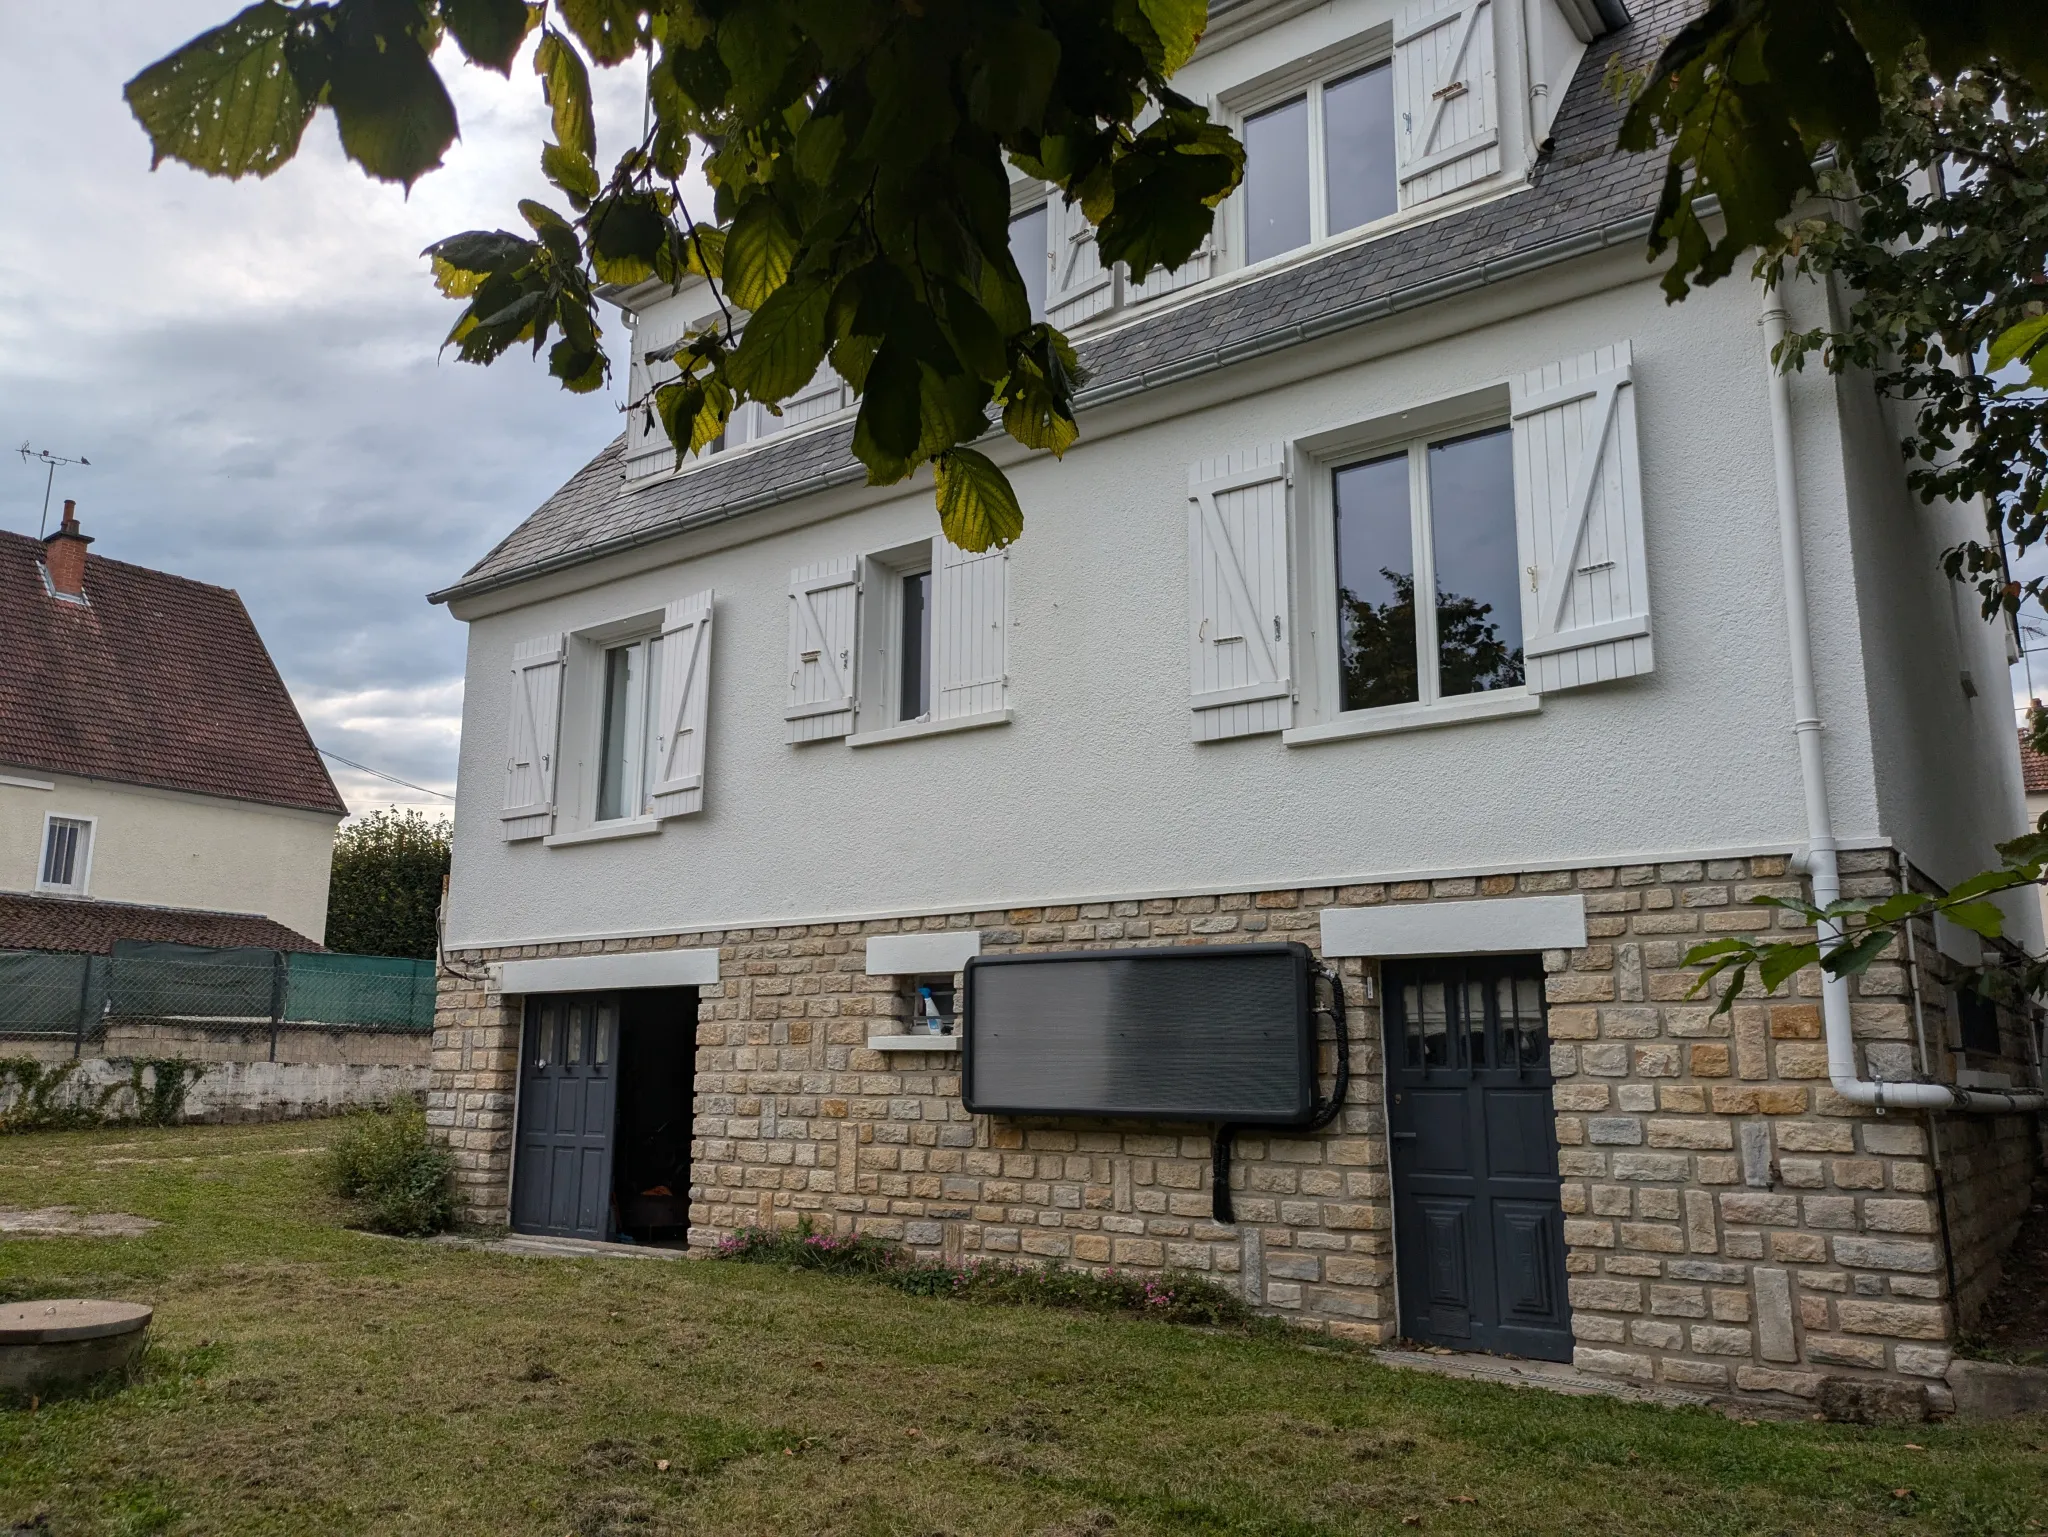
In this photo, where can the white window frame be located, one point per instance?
(878, 675)
(83, 868)
(581, 771)
(1307, 76)
(1318, 660)
(761, 425)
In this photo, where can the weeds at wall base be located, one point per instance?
(1179, 1297)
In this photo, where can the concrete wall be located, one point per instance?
(171, 849)
(1695, 757)
(316, 1072)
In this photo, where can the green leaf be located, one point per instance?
(977, 508)
(1978, 917)
(1776, 962)
(2027, 343)
(228, 102)
(576, 176)
(581, 369)
(759, 247)
(784, 343)
(565, 83)
(489, 32)
(610, 29)
(395, 116)
(1178, 25)
(630, 239)
(1854, 958)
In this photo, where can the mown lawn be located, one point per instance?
(309, 1379)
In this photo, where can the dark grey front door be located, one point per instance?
(1478, 1232)
(568, 1101)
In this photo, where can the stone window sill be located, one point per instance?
(913, 1043)
(604, 832)
(910, 730)
(1414, 717)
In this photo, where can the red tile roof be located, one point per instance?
(153, 680)
(67, 923)
(2033, 767)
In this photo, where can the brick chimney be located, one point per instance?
(64, 556)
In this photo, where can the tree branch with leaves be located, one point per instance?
(858, 156)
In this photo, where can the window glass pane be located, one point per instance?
(1276, 180)
(1358, 147)
(1375, 585)
(914, 697)
(611, 755)
(1027, 250)
(1478, 600)
(60, 853)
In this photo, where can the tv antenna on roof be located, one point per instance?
(44, 456)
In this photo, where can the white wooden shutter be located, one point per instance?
(530, 750)
(970, 631)
(1446, 112)
(1160, 282)
(823, 604)
(677, 786)
(1077, 284)
(1240, 631)
(1579, 521)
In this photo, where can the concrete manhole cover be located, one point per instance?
(69, 1222)
(68, 1339)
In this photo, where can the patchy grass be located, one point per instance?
(309, 1378)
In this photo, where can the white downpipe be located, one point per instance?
(1822, 865)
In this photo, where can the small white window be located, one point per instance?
(897, 669)
(1435, 516)
(626, 740)
(1320, 162)
(67, 855)
(1029, 251)
(933, 1010)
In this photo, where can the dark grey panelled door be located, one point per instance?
(568, 1102)
(1478, 1232)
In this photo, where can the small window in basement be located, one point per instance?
(1978, 1018)
(932, 1010)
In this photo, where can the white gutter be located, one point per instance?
(1821, 863)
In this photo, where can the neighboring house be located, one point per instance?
(2034, 777)
(150, 756)
(754, 763)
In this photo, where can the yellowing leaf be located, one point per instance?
(977, 508)
(759, 247)
(566, 84)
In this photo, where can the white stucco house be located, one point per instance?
(758, 772)
(156, 781)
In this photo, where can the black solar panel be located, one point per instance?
(1190, 1033)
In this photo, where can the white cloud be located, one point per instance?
(254, 370)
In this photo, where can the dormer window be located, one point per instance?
(1320, 162)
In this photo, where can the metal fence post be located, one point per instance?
(277, 982)
(84, 1003)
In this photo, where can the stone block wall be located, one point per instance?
(1732, 1224)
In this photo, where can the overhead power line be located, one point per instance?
(338, 758)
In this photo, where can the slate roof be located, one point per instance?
(1583, 197)
(153, 680)
(67, 923)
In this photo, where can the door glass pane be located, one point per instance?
(611, 756)
(1027, 250)
(1276, 180)
(560, 1034)
(1358, 143)
(601, 1034)
(915, 693)
(1478, 599)
(1473, 1018)
(1375, 585)
(540, 1022)
(1521, 1000)
(1429, 1009)
(574, 1052)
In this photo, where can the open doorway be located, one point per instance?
(657, 1083)
(605, 1090)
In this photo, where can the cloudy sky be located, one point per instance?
(252, 369)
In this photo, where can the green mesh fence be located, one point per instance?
(367, 992)
(46, 992)
(50, 993)
(152, 980)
